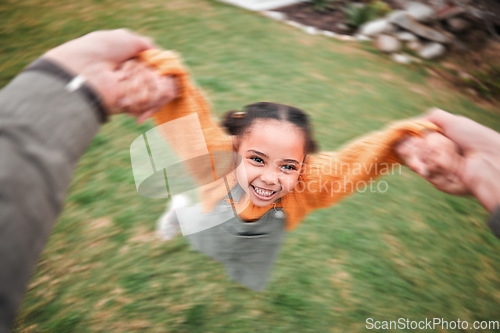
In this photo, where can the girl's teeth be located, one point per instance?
(263, 192)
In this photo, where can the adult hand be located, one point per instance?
(480, 147)
(143, 90)
(100, 56)
(437, 159)
(477, 163)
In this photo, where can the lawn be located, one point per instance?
(408, 252)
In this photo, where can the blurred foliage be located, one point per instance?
(486, 82)
(474, 70)
(323, 5)
(358, 13)
(381, 8)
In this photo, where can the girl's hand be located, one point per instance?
(437, 159)
(142, 91)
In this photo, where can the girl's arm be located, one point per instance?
(328, 177)
(187, 122)
(190, 101)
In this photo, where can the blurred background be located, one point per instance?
(410, 252)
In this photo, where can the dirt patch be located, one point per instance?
(475, 73)
(331, 19)
(341, 281)
(352, 48)
(182, 5)
(143, 237)
(320, 76)
(100, 223)
(419, 90)
(439, 80)
(305, 14)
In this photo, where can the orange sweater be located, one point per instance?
(326, 177)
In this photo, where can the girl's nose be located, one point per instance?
(269, 177)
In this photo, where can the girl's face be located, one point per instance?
(272, 153)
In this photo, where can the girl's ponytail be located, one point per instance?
(234, 122)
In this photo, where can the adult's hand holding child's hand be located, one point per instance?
(105, 60)
(480, 147)
(474, 166)
(435, 158)
(143, 91)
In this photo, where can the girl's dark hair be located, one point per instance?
(238, 122)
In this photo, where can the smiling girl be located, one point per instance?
(276, 179)
(273, 141)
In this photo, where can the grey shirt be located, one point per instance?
(247, 249)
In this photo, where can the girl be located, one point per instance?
(272, 142)
(274, 180)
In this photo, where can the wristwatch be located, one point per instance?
(73, 84)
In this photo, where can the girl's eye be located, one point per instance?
(257, 159)
(288, 167)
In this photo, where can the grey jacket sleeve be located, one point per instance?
(494, 222)
(44, 129)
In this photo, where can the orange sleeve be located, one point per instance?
(331, 176)
(190, 101)
(196, 140)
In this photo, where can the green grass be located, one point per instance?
(411, 252)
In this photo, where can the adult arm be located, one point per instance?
(44, 129)
(48, 115)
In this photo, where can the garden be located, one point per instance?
(407, 252)
(456, 40)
